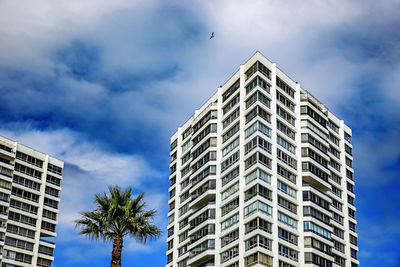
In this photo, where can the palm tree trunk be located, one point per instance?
(117, 251)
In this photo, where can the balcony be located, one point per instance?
(203, 195)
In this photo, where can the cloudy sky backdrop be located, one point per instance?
(103, 84)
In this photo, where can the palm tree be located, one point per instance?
(117, 216)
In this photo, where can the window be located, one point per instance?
(287, 204)
(171, 231)
(353, 253)
(234, 144)
(20, 231)
(231, 90)
(336, 204)
(212, 128)
(29, 159)
(308, 166)
(260, 97)
(285, 144)
(53, 180)
(334, 140)
(25, 194)
(25, 170)
(349, 162)
(208, 185)
(313, 114)
(232, 205)
(336, 179)
(51, 191)
(257, 142)
(231, 104)
(21, 218)
(187, 133)
(308, 152)
(286, 102)
(316, 259)
(258, 258)
(229, 254)
(287, 159)
(258, 241)
(353, 239)
(258, 174)
(228, 134)
(347, 137)
(172, 193)
(350, 187)
(317, 244)
(257, 189)
(231, 118)
(257, 126)
(349, 174)
(337, 218)
(333, 126)
(257, 206)
(23, 206)
(257, 157)
(334, 152)
(311, 227)
(338, 246)
(54, 169)
(286, 174)
(336, 191)
(185, 208)
(288, 252)
(173, 169)
(258, 66)
(258, 111)
(286, 116)
(212, 114)
(230, 161)
(348, 149)
(287, 189)
(206, 215)
(310, 211)
(310, 196)
(313, 128)
(210, 170)
(258, 223)
(286, 130)
(230, 176)
(352, 213)
(171, 218)
(288, 236)
(186, 158)
(210, 156)
(286, 88)
(350, 200)
(230, 191)
(209, 229)
(230, 222)
(306, 138)
(229, 238)
(289, 221)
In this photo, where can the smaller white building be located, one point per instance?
(30, 185)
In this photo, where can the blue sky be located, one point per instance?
(103, 84)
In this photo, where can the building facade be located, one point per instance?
(29, 197)
(261, 175)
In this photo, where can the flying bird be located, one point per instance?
(212, 35)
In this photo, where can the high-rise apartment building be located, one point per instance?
(29, 197)
(261, 175)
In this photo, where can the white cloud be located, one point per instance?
(89, 170)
